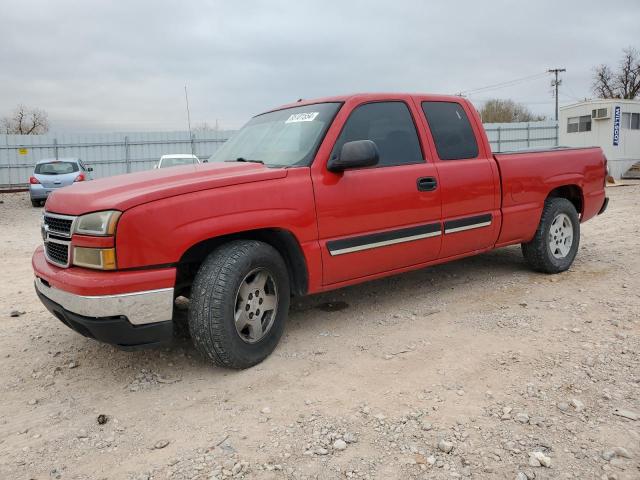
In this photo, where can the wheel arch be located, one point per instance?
(282, 240)
(571, 192)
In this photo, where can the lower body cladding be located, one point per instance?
(129, 321)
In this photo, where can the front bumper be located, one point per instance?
(116, 330)
(125, 308)
(139, 308)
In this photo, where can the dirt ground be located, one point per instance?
(475, 369)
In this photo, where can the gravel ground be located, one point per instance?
(475, 369)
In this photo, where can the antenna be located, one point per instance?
(186, 99)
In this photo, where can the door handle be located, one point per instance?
(427, 184)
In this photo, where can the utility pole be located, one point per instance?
(556, 83)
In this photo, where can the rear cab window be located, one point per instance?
(56, 168)
(390, 126)
(451, 130)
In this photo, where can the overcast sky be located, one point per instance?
(117, 66)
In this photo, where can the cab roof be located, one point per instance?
(370, 97)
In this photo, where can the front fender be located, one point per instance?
(158, 233)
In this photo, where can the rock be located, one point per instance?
(321, 451)
(622, 452)
(445, 446)
(161, 444)
(606, 394)
(615, 452)
(266, 410)
(339, 445)
(521, 476)
(577, 404)
(102, 419)
(627, 414)
(82, 433)
(522, 418)
(563, 406)
(431, 460)
(537, 459)
(72, 364)
(16, 313)
(608, 455)
(349, 438)
(33, 401)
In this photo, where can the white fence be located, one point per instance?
(517, 136)
(113, 154)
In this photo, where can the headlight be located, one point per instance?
(99, 258)
(98, 223)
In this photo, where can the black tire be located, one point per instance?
(213, 303)
(35, 203)
(538, 253)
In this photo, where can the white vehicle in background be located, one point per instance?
(176, 160)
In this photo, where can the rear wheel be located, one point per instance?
(35, 203)
(239, 304)
(555, 244)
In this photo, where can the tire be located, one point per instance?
(35, 203)
(223, 295)
(550, 250)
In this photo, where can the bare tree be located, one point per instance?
(26, 121)
(623, 83)
(498, 110)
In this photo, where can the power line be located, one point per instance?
(509, 83)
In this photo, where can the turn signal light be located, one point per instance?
(80, 178)
(34, 181)
(98, 258)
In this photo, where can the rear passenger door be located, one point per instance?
(468, 176)
(382, 218)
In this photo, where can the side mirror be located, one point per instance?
(356, 154)
(205, 161)
(89, 169)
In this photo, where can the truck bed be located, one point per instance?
(526, 178)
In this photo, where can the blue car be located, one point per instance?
(51, 174)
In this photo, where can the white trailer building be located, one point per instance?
(613, 124)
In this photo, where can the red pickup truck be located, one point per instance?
(309, 197)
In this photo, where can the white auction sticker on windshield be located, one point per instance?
(302, 117)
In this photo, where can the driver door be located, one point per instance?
(382, 218)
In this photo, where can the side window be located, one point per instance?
(390, 126)
(451, 130)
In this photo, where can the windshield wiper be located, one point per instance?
(242, 159)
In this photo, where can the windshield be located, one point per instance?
(283, 138)
(174, 162)
(56, 168)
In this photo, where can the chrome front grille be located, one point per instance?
(56, 233)
(57, 253)
(60, 224)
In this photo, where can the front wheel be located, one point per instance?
(239, 304)
(555, 244)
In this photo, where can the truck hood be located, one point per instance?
(122, 192)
